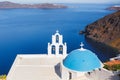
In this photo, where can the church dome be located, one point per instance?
(82, 60)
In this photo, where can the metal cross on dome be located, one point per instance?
(81, 45)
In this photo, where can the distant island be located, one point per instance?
(116, 7)
(10, 5)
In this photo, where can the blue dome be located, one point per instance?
(81, 60)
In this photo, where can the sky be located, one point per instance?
(65, 1)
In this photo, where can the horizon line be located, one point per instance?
(62, 2)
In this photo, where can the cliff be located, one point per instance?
(106, 30)
(116, 7)
(8, 5)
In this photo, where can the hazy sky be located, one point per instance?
(63, 1)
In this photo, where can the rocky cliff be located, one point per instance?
(8, 5)
(116, 7)
(106, 30)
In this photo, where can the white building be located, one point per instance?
(116, 58)
(57, 47)
(80, 64)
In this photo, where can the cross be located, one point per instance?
(81, 45)
(57, 31)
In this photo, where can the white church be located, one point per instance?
(57, 64)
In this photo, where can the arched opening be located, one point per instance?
(53, 49)
(60, 49)
(57, 39)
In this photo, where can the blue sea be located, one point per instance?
(28, 31)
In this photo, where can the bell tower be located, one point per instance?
(57, 47)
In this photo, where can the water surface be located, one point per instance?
(27, 31)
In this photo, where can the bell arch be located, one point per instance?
(53, 49)
(57, 38)
(61, 49)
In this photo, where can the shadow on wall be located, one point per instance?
(115, 77)
(57, 70)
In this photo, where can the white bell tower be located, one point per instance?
(57, 47)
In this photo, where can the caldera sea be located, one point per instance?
(27, 31)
